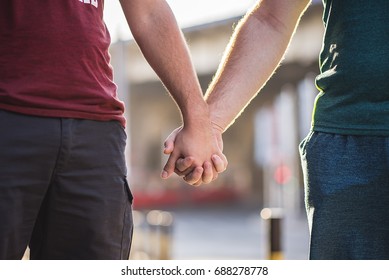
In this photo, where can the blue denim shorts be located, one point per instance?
(347, 195)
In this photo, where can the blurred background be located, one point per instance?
(221, 220)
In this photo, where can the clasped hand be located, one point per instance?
(195, 153)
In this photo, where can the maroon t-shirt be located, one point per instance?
(54, 60)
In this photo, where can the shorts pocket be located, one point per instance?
(304, 143)
(128, 225)
(128, 190)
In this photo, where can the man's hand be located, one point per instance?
(199, 161)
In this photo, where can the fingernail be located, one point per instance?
(164, 175)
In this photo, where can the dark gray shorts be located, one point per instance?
(63, 189)
(347, 195)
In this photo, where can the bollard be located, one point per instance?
(274, 218)
(161, 225)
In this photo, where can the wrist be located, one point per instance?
(218, 121)
(219, 115)
(217, 127)
(197, 114)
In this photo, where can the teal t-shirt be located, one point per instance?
(354, 69)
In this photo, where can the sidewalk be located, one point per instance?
(227, 234)
(234, 234)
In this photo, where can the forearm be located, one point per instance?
(161, 41)
(255, 51)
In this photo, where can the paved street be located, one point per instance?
(234, 233)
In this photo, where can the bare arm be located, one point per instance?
(251, 57)
(253, 54)
(158, 36)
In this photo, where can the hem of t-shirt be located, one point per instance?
(357, 131)
(54, 113)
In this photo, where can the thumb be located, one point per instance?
(169, 146)
(169, 142)
(169, 167)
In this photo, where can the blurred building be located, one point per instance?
(262, 146)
